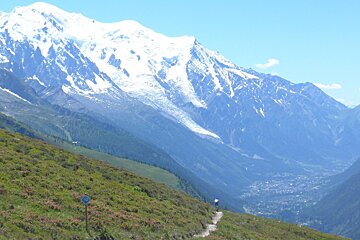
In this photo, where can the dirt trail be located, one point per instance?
(211, 227)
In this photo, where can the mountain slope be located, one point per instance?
(338, 212)
(41, 189)
(71, 126)
(243, 226)
(144, 170)
(340, 178)
(12, 125)
(52, 120)
(229, 126)
(350, 130)
(349, 135)
(100, 135)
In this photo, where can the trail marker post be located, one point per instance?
(86, 200)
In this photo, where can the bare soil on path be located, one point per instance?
(211, 227)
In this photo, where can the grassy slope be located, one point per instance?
(151, 172)
(41, 187)
(243, 226)
(141, 169)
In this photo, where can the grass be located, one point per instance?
(244, 226)
(145, 170)
(154, 173)
(41, 189)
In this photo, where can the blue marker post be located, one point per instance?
(86, 200)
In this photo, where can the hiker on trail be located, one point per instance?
(216, 202)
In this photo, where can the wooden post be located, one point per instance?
(86, 200)
(86, 218)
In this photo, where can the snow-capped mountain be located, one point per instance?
(225, 123)
(127, 53)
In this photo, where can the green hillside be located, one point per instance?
(40, 198)
(60, 126)
(41, 187)
(154, 173)
(243, 226)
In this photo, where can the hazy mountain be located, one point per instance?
(11, 124)
(339, 211)
(350, 130)
(349, 136)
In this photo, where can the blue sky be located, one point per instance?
(302, 41)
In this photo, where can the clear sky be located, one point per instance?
(301, 40)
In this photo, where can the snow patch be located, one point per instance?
(284, 89)
(14, 94)
(242, 74)
(35, 78)
(100, 86)
(154, 97)
(260, 111)
(257, 157)
(66, 89)
(3, 59)
(279, 101)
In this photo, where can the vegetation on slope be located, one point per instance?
(243, 226)
(41, 189)
(40, 198)
(12, 125)
(154, 173)
(99, 134)
(52, 123)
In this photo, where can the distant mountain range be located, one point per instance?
(124, 89)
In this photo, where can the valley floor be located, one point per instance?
(284, 196)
